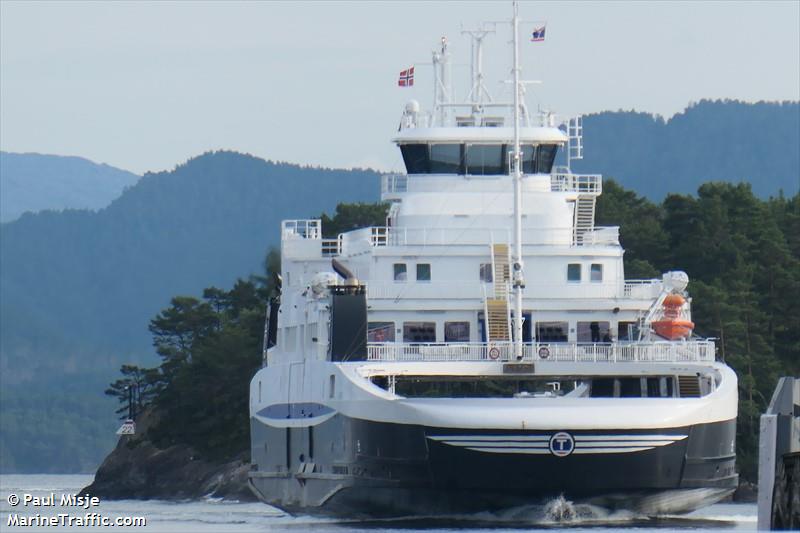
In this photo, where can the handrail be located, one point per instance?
(615, 352)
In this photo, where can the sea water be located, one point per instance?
(211, 514)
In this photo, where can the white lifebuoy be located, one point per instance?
(544, 352)
(494, 352)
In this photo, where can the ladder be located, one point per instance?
(498, 322)
(584, 216)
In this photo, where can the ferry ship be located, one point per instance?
(483, 349)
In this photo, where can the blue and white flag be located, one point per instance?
(538, 34)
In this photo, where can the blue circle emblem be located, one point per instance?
(562, 444)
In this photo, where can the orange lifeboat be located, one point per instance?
(672, 326)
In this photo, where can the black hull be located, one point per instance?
(355, 467)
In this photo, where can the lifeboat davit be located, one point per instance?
(672, 326)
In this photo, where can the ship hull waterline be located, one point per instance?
(353, 467)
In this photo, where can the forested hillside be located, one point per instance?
(742, 255)
(710, 141)
(35, 182)
(77, 288)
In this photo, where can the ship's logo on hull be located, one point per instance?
(562, 444)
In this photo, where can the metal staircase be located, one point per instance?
(584, 216)
(498, 323)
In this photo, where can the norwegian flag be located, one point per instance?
(537, 35)
(406, 78)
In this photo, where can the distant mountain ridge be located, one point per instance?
(37, 182)
(710, 141)
(78, 288)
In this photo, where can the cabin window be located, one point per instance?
(415, 157)
(423, 272)
(259, 391)
(485, 273)
(456, 332)
(484, 159)
(419, 332)
(627, 331)
(552, 331)
(400, 272)
(594, 332)
(332, 386)
(574, 272)
(380, 332)
(446, 159)
(596, 273)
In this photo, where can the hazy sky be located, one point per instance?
(146, 85)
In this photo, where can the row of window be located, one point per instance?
(475, 159)
(574, 272)
(459, 331)
(423, 272)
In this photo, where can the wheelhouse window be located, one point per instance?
(423, 272)
(419, 332)
(416, 158)
(528, 159)
(446, 159)
(552, 331)
(380, 332)
(574, 272)
(456, 332)
(400, 272)
(595, 331)
(484, 159)
(545, 155)
(596, 273)
(485, 273)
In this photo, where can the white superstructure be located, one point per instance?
(421, 344)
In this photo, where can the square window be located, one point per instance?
(574, 272)
(596, 272)
(456, 332)
(486, 273)
(551, 331)
(417, 332)
(594, 332)
(380, 332)
(423, 272)
(400, 273)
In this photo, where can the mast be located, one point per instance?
(518, 278)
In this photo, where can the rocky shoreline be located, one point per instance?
(137, 469)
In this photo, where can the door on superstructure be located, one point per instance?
(295, 441)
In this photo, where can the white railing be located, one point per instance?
(302, 229)
(580, 183)
(389, 236)
(633, 352)
(642, 289)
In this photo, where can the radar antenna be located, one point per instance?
(478, 91)
(441, 82)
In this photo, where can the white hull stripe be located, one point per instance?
(540, 444)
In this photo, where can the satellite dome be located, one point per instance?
(412, 107)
